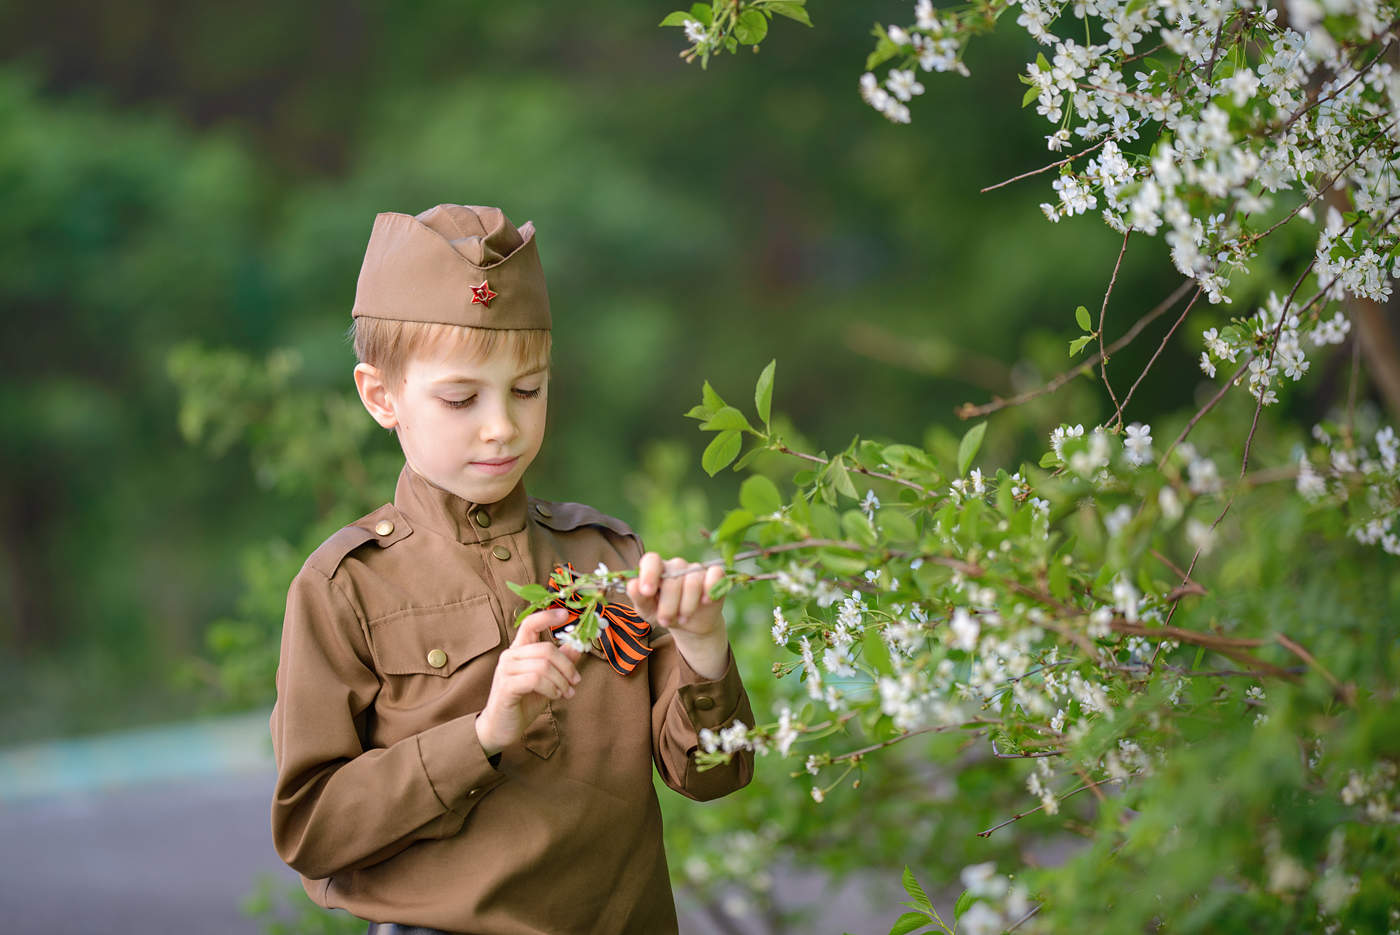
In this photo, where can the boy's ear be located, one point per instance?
(375, 394)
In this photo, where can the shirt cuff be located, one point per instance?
(710, 703)
(456, 766)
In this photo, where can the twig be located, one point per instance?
(1103, 310)
(1032, 811)
(969, 411)
(1118, 415)
(1053, 165)
(1022, 756)
(1346, 692)
(817, 459)
(1225, 388)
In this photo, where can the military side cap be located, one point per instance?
(456, 265)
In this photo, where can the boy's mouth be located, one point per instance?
(496, 465)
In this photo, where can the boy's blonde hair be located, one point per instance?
(388, 345)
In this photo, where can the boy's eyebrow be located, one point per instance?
(463, 378)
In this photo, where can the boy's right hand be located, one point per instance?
(532, 671)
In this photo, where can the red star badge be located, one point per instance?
(482, 294)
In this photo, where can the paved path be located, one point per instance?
(166, 831)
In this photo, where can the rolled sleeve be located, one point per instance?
(457, 767)
(684, 703)
(711, 703)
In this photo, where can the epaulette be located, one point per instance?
(384, 526)
(563, 517)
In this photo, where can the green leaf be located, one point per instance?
(711, 399)
(1029, 97)
(1040, 61)
(734, 524)
(721, 451)
(530, 593)
(1078, 343)
(1081, 315)
(751, 27)
(841, 478)
(964, 903)
(763, 392)
(722, 587)
(1059, 579)
(760, 496)
(877, 654)
(967, 448)
(677, 18)
(699, 412)
(749, 455)
(842, 562)
(915, 891)
(1049, 460)
(857, 528)
(731, 44)
(897, 526)
(727, 418)
(792, 9)
(825, 523)
(909, 922)
(884, 51)
(703, 13)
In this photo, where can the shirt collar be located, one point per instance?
(428, 505)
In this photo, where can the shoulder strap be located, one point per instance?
(564, 517)
(384, 526)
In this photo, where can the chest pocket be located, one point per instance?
(435, 641)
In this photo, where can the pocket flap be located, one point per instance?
(434, 640)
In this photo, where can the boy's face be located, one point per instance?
(470, 426)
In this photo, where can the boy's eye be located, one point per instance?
(528, 394)
(458, 403)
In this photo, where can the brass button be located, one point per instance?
(704, 702)
(482, 518)
(543, 510)
(501, 552)
(384, 527)
(437, 658)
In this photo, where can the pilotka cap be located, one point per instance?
(456, 265)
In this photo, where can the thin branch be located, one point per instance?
(1225, 388)
(1053, 165)
(1022, 756)
(1103, 310)
(969, 411)
(1118, 415)
(859, 469)
(1346, 692)
(1059, 798)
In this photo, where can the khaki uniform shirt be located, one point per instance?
(385, 802)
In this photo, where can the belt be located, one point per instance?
(390, 928)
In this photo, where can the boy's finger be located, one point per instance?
(668, 603)
(649, 573)
(713, 575)
(692, 589)
(534, 627)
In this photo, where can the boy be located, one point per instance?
(438, 768)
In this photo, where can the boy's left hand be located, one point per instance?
(676, 595)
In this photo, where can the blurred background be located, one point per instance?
(188, 189)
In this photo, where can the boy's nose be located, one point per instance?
(499, 426)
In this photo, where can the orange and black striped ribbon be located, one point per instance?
(624, 639)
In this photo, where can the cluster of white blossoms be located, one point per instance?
(997, 902)
(1212, 123)
(1365, 479)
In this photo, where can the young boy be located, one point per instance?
(439, 769)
